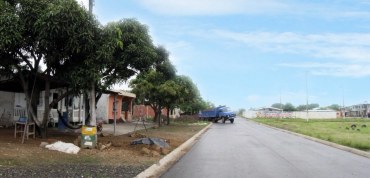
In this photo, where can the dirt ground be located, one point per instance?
(14, 154)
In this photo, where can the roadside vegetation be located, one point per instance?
(354, 133)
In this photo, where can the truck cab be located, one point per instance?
(219, 113)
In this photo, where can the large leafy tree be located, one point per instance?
(180, 91)
(334, 107)
(289, 107)
(278, 105)
(127, 50)
(60, 41)
(42, 38)
(156, 84)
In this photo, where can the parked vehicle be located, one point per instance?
(218, 113)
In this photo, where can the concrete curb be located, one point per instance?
(335, 145)
(169, 160)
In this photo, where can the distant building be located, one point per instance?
(358, 110)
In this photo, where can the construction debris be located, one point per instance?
(104, 146)
(69, 148)
(151, 141)
(137, 135)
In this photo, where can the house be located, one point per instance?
(13, 101)
(13, 105)
(115, 104)
(148, 112)
(358, 110)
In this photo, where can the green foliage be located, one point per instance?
(289, 107)
(241, 111)
(157, 86)
(278, 105)
(334, 107)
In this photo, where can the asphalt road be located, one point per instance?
(246, 149)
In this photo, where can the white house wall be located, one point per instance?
(18, 103)
(6, 107)
(102, 108)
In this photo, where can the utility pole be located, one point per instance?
(92, 92)
(344, 109)
(281, 107)
(306, 99)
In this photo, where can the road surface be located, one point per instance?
(246, 149)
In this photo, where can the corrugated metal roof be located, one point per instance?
(123, 93)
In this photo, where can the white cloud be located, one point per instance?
(84, 3)
(261, 7)
(348, 53)
(333, 69)
(213, 7)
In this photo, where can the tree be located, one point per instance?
(155, 85)
(301, 108)
(289, 107)
(74, 49)
(309, 107)
(127, 50)
(241, 112)
(53, 32)
(186, 93)
(334, 107)
(278, 105)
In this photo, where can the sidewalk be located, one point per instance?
(124, 128)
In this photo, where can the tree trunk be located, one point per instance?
(46, 110)
(30, 110)
(159, 116)
(87, 108)
(168, 116)
(154, 107)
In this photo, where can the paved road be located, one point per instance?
(246, 149)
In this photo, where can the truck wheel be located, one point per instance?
(232, 120)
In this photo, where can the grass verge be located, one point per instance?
(354, 133)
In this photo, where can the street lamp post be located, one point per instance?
(306, 98)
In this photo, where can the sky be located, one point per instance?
(251, 54)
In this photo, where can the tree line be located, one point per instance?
(61, 44)
(291, 107)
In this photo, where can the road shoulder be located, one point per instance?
(169, 160)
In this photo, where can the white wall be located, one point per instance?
(298, 114)
(102, 108)
(316, 114)
(176, 113)
(13, 102)
(6, 107)
(250, 114)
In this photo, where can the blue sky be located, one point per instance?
(247, 53)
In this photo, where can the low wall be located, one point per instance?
(297, 114)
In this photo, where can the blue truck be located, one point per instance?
(216, 114)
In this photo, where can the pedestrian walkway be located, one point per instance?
(124, 128)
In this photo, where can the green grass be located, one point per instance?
(334, 130)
